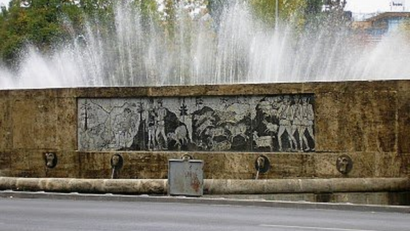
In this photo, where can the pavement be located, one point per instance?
(203, 200)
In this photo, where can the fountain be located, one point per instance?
(146, 96)
(237, 49)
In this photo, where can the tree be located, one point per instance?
(42, 23)
(149, 9)
(334, 5)
(287, 10)
(27, 22)
(313, 7)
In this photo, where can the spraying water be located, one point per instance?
(237, 49)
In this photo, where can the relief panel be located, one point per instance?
(274, 123)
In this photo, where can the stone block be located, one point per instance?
(286, 166)
(405, 164)
(94, 165)
(387, 164)
(5, 164)
(24, 94)
(363, 165)
(67, 165)
(66, 124)
(20, 163)
(361, 198)
(34, 123)
(367, 121)
(325, 165)
(328, 129)
(403, 121)
(5, 123)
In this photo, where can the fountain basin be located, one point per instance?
(365, 121)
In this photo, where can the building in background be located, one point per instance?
(374, 26)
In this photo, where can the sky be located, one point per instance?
(4, 2)
(356, 6)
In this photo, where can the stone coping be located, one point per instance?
(211, 186)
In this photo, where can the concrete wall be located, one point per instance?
(367, 121)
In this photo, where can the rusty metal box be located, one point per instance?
(185, 177)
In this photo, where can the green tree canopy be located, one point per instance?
(287, 9)
(42, 23)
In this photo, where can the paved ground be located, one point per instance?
(206, 200)
(54, 211)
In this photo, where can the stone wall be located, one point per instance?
(365, 121)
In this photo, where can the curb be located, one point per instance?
(210, 186)
(203, 200)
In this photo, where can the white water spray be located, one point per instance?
(238, 50)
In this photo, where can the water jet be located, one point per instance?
(237, 48)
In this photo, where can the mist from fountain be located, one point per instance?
(238, 49)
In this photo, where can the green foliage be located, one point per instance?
(313, 7)
(149, 8)
(170, 13)
(302, 14)
(288, 10)
(42, 23)
(265, 9)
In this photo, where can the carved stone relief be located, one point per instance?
(277, 123)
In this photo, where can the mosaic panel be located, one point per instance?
(275, 123)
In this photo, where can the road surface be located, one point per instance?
(21, 214)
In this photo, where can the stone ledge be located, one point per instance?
(218, 186)
(122, 186)
(211, 186)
